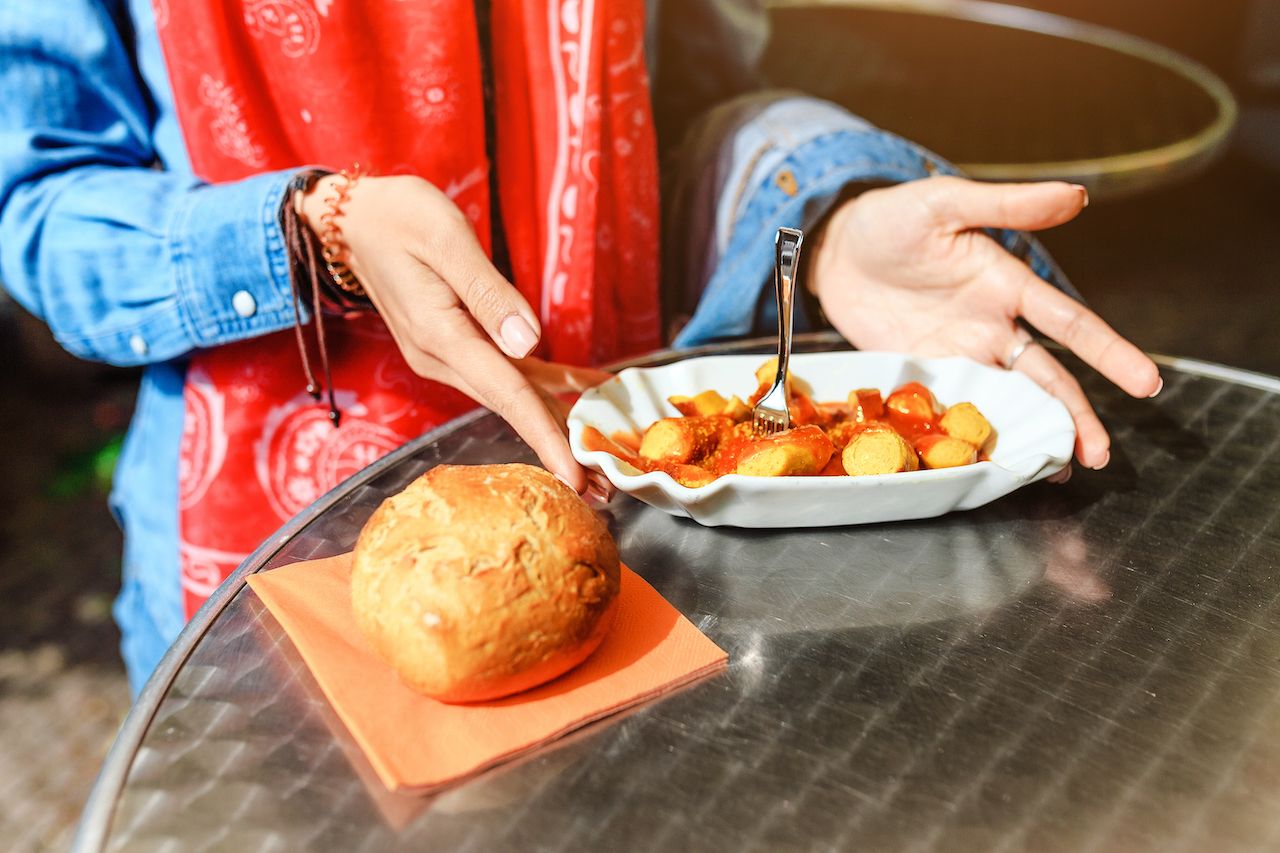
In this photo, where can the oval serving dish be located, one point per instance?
(1034, 438)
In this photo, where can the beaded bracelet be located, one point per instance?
(333, 250)
(307, 252)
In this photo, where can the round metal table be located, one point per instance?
(1093, 666)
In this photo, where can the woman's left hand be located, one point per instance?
(906, 268)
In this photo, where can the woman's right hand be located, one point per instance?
(454, 317)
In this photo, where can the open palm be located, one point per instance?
(907, 269)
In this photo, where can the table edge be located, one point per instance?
(99, 810)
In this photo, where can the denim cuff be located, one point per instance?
(795, 188)
(806, 179)
(230, 260)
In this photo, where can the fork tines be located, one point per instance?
(768, 423)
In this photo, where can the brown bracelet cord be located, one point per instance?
(306, 279)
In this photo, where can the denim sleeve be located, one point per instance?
(126, 263)
(773, 160)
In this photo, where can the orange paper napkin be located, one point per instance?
(418, 743)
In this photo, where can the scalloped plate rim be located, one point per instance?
(1009, 472)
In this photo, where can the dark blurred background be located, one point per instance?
(1186, 266)
(1193, 268)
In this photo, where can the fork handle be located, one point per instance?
(787, 244)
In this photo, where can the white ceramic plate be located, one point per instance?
(1034, 438)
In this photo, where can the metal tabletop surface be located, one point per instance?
(1093, 666)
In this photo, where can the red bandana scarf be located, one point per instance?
(395, 85)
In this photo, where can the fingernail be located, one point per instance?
(601, 484)
(567, 483)
(1159, 388)
(1061, 476)
(1106, 458)
(517, 336)
(597, 494)
(1084, 193)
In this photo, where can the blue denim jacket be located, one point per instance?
(788, 161)
(107, 236)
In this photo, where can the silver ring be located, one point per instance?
(1017, 351)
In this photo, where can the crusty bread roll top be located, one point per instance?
(480, 581)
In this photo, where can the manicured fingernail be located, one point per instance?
(567, 483)
(1084, 195)
(1103, 464)
(517, 336)
(1159, 387)
(601, 483)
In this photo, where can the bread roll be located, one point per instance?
(476, 582)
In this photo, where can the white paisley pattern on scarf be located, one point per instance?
(204, 438)
(292, 21)
(228, 128)
(300, 456)
(204, 568)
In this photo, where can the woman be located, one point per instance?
(157, 208)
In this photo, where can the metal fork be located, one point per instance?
(772, 415)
